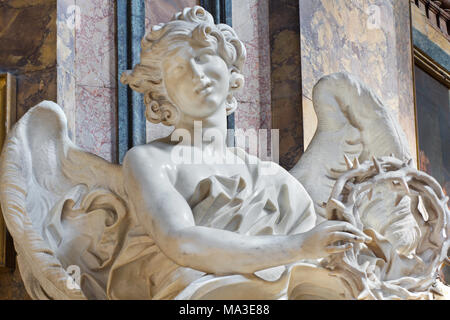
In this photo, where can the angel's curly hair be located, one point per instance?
(192, 23)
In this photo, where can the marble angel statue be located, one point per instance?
(353, 219)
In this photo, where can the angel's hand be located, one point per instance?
(321, 241)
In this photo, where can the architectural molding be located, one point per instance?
(437, 13)
(429, 48)
(431, 67)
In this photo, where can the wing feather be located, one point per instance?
(38, 166)
(352, 122)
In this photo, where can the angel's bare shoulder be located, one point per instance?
(151, 154)
(148, 163)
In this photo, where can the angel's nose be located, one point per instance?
(197, 70)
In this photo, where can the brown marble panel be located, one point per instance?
(284, 31)
(34, 87)
(28, 49)
(11, 286)
(27, 35)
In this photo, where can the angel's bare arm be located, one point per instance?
(166, 215)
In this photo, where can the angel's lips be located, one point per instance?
(204, 89)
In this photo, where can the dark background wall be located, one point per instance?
(28, 49)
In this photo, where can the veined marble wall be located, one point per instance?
(87, 73)
(251, 23)
(368, 38)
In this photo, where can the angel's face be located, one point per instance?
(197, 80)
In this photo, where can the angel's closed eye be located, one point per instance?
(178, 69)
(204, 56)
(201, 59)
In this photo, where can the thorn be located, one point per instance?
(405, 185)
(337, 204)
(355, 163)
(370, 194)
(348, 162)
(377, 165)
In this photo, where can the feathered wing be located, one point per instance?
(50, 190)
(352, 124)
(358, 169)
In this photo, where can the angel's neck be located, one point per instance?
(203, 132)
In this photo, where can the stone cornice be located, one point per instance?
(437, 15)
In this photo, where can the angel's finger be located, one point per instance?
(347, 227)
(337, 249)
(345, 236)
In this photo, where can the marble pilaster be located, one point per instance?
(87, 73)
